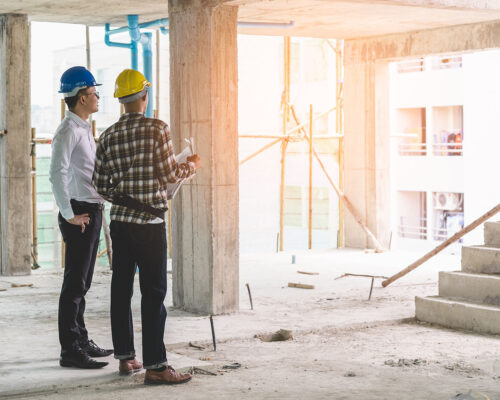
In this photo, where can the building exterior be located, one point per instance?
(443, 112)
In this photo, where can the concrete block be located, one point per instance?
(492, 234)
(458, 314)
(481, 259)
(479, 288)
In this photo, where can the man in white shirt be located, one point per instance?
(80, 215)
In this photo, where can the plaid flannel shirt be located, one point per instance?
(135, 157)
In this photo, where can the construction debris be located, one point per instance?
(234, 365)
(308, 273)
(300, 285)
(470, 395)
(21, 285)
(196, 346)
(201, 371)
(279, 336)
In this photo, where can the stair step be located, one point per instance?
(492, 234)
(481, 259)
(481, 288)
(458, 314)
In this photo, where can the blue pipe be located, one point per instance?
(147, 57)
(107, 33)
(134, 56)
(145, 39)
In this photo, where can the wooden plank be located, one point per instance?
(443, 245)
(300, 285)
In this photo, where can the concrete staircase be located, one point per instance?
(469, 299)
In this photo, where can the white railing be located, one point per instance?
(438, 149)
(412, 149)
(447, 149)
(447, 62)
(411, 66)
(412, 232)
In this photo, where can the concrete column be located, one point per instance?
(367, 149)
(203, 104)
(15, 181)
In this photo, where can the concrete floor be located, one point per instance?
(344, 346)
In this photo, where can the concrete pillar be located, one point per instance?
(367, 149)
(203, 104)
(15, 181)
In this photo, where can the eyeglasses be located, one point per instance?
(88, 94)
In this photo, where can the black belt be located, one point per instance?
(84, 204)
(130, 202)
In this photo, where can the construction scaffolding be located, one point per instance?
(299, 133)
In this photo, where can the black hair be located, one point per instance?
(71, 101)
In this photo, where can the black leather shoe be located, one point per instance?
(80, 359)
(94, 350)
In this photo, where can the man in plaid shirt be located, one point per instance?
(134, 162)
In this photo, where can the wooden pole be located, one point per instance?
(285, 103)
(310, 173)
(340, 130)
(301, 126)
(349, 206)
(87, 52)
(443, 245)
(105, 226)
(87, 46)
(107, 238)
(261, 150)
(284, 144)
(33, 196)
(347, 203)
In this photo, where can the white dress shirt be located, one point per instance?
(72, 164)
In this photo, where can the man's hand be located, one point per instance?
(82, 220)
(195, 158)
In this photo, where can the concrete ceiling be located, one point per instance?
(316, 18)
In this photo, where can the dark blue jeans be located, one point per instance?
(81, 251)
(143, 246)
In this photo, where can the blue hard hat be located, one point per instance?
(75, 79)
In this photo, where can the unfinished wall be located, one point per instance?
(203, 104)
(367, 150)
(15, 167)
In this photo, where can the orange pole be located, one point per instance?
(285, 103)
(340, 130)
(310, 173)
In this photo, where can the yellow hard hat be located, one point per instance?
(130, 82)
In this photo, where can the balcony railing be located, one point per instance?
(438, 149)
(447, 149)
(412, 149)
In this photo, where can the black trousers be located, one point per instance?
(143, 246)
(81, 251)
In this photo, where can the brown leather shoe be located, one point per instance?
(128, 367)
(166, 377)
